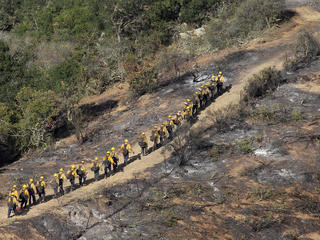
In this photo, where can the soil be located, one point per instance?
(269, 191)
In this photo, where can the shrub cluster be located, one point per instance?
(258, 85)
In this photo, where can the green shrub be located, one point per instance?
(258, 85)
(305, 49)
(144, 81)
(36, 108)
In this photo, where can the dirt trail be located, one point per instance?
(306, 16)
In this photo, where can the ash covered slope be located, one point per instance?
(240, 195)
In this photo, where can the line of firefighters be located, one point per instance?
(159, 136)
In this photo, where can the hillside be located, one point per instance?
(252, 170)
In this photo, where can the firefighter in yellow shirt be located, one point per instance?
(155, 137)
(32, 192)
(41, 189)
(24, 196)
(143, 143)
(126, 149)
(12, 204)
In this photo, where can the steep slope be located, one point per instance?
(239, 66)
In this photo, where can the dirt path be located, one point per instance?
(139, 167)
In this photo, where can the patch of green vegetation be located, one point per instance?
(245, 146)
(239, 20)
(296, 116)
(264, 193)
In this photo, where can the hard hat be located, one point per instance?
(108, 152)
(169, 116)
(41, 177)
(142, 133)
(188, 100)
(113, 148)
(12, 194)
(14, 186)
(31, 180)
(24, 186)
(55, 175)
(82, 161)
(206, 84)
(220, 73)
(126, 141)
(185, 103)
(61, 170)
(202, 86)
(96, 158)
(155, 127)
(179, 111)
(73, 167)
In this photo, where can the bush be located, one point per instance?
(305, 49)
(144, 81)
(258, 85)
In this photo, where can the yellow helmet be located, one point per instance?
(179, 111)
(96, 158)
(113, 149)
(188, 100)
(126, 141)
(220, 73)
(202, 86)
(12, 194)
(41, 177)
(169, 116)
(61, 170)
(108, 152)
(82, 161)
(14, 186)
(155, 127)
(73, 167)
(206, 84)
(31, 180)
(55, 175)
(142, 133)
(24, 186)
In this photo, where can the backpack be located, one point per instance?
(95, 168)
(30, 189)
(125, 150)
(69, 175)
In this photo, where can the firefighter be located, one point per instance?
(220, 83)
(115, 158)
(143, 143)
(163, 133)
(95, 168)
(14, 191)
(71, 175)
(55, 184)
(62, 177)
(196, 103)
(82, 173)
(12, 204)
(155, 137)
(41, 189)
(107, 162)
(32, 192)
(170, 125)
(24, 196)
(176, 120)
(126, 149)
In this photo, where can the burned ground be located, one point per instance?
(252, 176)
